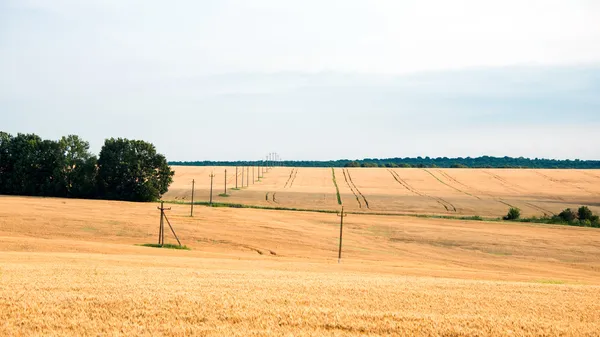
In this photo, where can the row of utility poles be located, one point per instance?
(272, 159)
(243, 172)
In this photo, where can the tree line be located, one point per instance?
(443, 162)
(129, 170)
(583, 217)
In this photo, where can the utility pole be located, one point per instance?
(242, 176)
(192, 205)
(236, 177)
(342, 216)
(225, 181)
(161, 229)
(212, 175)
(253, 180)
(247, 176)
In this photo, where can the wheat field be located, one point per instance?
(484, 192)
(75, 267)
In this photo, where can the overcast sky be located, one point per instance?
(229, 80)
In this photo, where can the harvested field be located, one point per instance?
(484, 192)
(73, 267)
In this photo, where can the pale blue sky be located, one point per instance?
(227, 80)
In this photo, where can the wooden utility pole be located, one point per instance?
(342, 216)
(192, 205)
(212, 175)
(247, 176)
(253, 180)
(225, 181)
(236, 177)
(161, 228)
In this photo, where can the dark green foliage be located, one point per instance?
(567, 215)
(584, 213)
(479, 162)
(78, 168)
(513, 214)
(132, 170)
(337, 190)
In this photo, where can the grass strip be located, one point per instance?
(337, 190)
(413, 215)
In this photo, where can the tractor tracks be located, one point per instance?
(498, 199)
(451, 179)
(556, 181)
(516, 189)
(590, 174)
(289, 178)
(509, 186)
(294, 179)
(354, 188)
(272, 197)
(446, 204)
(288, 184)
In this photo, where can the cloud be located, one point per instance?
(317, 79)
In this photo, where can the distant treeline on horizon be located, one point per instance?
(468, 162)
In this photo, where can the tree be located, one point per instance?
(584, 213)
(24, 153)
(567, 215)
(78, 167)
(352, 164)
(6, 162)
(48, 175)
(132, 170)
(513, 214)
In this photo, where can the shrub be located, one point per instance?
(584, 213)
(567, 215)
(513, 214)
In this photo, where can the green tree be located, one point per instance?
(6, 163)
(78, 167)
(567, 215)
(48, 175)
(513, 214)
(584, 213)
(24, 152)
(352, 164)
(132, 170)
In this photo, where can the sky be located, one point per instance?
(311, 80)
